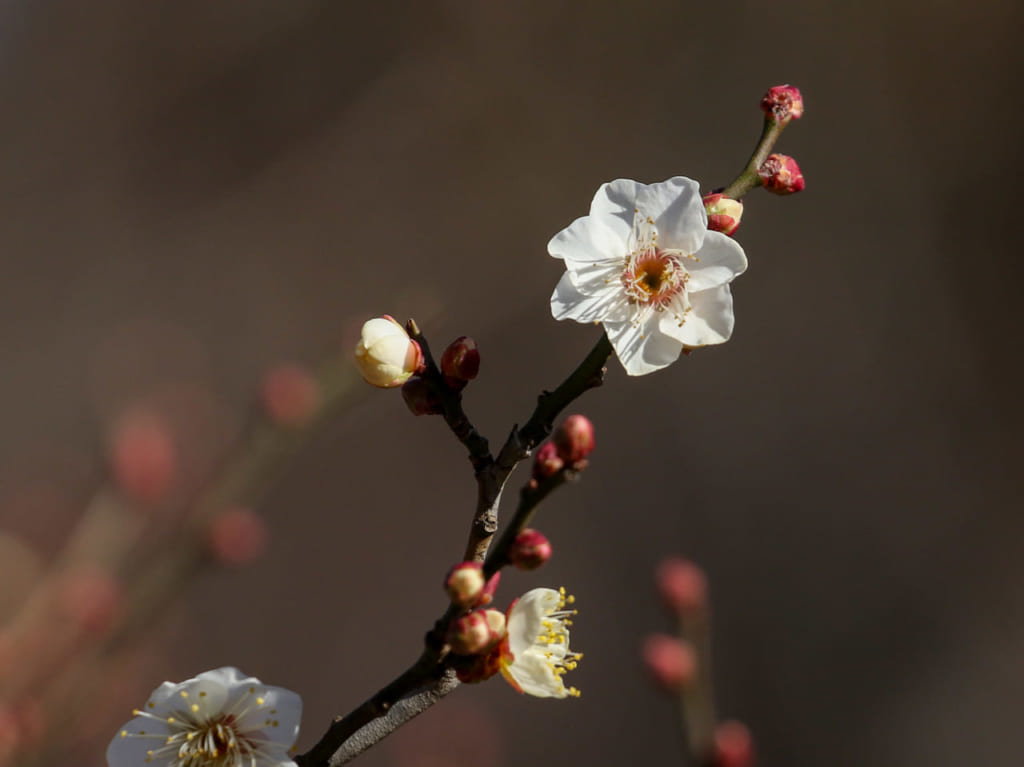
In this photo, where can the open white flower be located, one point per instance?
(644, 264)
(536, 653)
(219, 719)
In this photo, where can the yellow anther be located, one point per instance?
(124, 733)
(195, 707)
(259, 701)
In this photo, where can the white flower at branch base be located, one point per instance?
(221, 718)
(385, 355)
(536, 654)
(644, 265)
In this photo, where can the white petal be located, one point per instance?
(525, 616)
(536, 676)
(710, 322)
(282, 708)
(129, 751)
(588, 239)
(643, 349)
(614, 205)
(568, 303)
(678, 213)
(719, 261)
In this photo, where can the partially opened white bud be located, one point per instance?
(385, 355)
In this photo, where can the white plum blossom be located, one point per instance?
(221, 718)
(645, 265)
(536, 653)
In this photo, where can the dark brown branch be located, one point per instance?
(428, 680)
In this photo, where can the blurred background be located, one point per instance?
(194, 192)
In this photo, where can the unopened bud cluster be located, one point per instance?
(476, 632)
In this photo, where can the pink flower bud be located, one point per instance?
(465, 583)
(529, 550)
(734, 747)
(385, 355)
(461, 360)
(476, 632)
(574, 439)
(783, 103)
(291, 395)
(420, 397)
(671, 662)
(92, 599)
(781, 175)
(682, 585)
(237, 537)
(724, 213)
(143, 456)
(487, 595)
(546, 461)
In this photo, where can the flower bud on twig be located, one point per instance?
(461, 360)
(671, 662)
(237, 537)
(465, 583)
(143, 456)
(290, 395)
(546, 461)
(682, 585)
(781, 175)
(783, 103)
(734, 747)
(385, 355)
(724, 213)
(476, 632)
(574, 439)
(529, 550)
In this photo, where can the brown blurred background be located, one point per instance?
(193, 191)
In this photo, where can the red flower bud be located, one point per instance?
(682, 585)
(724, 213)
(734, 747)
(781, 175)
(237, 536)
(420, 397)
(671, 662)
(461, 360)
(290, 395)
(546, 462)
(783, 103)
(465, 583)
(476, 632)
(574, 439)
(529, 550)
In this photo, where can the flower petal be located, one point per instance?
(678, 213)
(643, 349)
(536, 676)
(525, 616)
(569, 303)
(719, 261)
(131, 750)
(614, 204)
(282, 709)
(710, 322)
(588, 239)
